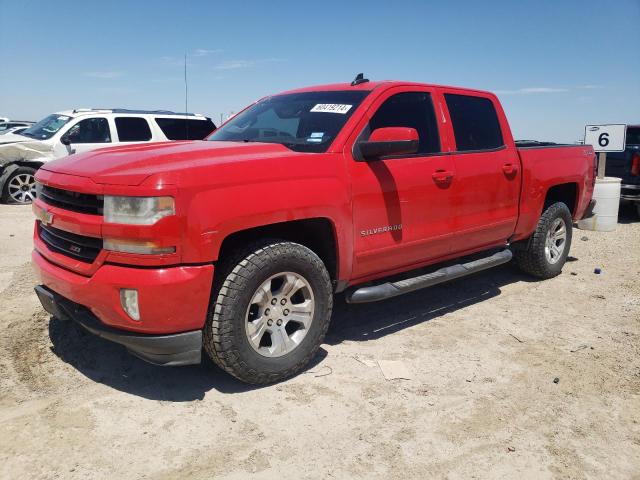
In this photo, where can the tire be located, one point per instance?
(20, 187)
(241, 308)
(538, 257)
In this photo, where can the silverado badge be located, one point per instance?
(386, 228)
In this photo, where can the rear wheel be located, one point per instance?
(548, 247)
(20, 187)
(269, 313)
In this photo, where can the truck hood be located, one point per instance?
(133, 164)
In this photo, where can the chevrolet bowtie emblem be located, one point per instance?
(43, 215)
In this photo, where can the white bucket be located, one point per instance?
(607, 201)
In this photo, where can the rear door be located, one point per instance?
(487, 189)
(402, 209)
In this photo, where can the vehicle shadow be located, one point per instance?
(110, 364)
(370, 321)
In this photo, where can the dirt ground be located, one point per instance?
(483, 353)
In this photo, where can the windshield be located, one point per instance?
(633, 136)
(46, 128)
(304, 122)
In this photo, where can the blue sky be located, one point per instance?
(556, 65)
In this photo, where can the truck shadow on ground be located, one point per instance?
(370, 321)
(110, 364)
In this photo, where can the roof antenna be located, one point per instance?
(359, 79)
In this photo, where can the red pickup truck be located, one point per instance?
(237, 244)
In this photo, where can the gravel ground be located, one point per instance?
(483, 353)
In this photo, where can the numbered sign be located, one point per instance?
(606, 138)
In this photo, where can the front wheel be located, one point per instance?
(547, 249)
(269, 313)
(20, 187)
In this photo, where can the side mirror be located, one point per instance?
(65, 140)
(389, 141)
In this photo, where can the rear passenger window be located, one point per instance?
(475, 122)
(185, 129)
(413, 110)
(133, 129)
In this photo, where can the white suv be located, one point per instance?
(81, 130)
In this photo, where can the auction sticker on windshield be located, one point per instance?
(331, 108)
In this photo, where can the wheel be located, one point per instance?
(269, 312)
(20, 187)
(548, 247)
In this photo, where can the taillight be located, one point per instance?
(635, 165)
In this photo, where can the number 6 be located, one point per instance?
(603, 139)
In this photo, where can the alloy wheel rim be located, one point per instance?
(279, 315)
(22, 188)
(556, 241)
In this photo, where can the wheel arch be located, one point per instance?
(318, 234)
(566, 193)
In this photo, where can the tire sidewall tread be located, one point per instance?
(224, 335)
(5, 196)
(532, 259)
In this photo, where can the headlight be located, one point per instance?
(137, 210)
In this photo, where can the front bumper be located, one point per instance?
(171, 299)
(169, 350)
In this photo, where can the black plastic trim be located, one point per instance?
(69, 200)
(167, 350)
(79, 247)
(393, 289)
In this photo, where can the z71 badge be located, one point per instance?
(386, 228)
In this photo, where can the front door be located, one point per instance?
(87, 135)
(402, 208)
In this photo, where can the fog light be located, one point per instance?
(129, 302)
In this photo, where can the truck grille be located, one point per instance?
(74, 201)
(82, 248)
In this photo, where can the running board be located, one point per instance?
(393, 289)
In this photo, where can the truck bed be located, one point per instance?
(543, 163)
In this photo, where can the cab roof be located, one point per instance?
(370, 85)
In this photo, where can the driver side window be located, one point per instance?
(90, 130)
(410, 109)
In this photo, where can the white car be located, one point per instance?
(82, 130)
(15, 130)
(8, 127)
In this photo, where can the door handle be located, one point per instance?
(509, 169)
(442, 176)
